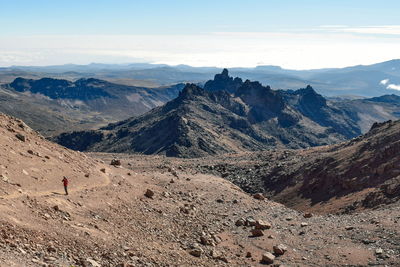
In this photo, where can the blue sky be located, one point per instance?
(215, 33)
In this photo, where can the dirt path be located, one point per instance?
(102, 183)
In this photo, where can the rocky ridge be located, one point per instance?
(201, 122)
(343, 178)
(82, 104)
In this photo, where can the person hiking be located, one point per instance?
(65, 181)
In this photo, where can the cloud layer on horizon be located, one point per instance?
(327, 46)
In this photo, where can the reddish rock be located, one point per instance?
(267, 258)
(280, 249)
(259, 196)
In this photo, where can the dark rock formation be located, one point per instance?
(223, 82)
(201, 122)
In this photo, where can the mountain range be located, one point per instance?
(228, 115)
(362, 80)
(81, 104)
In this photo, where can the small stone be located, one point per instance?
(22, 250)
(93, 263)
(21, 137)
(49, 259)
(379, 251)
(349, 228)
(260, 224)
(115, 162)
(279, 249)
(172, 181)
(267, 258)
(304, 224)
(240, 222)
(87, 175)
(4, 178)
(259, 196)
(205, 241)
(51, 249)
(149, 193)
(103, 170)
(257, 232)
(307, 215)
(30, 152)
(196, 252)
(250, 221)
(217, 255)
(248, 254)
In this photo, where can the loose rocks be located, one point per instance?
(267, 258)
(259, 196)
(115, 162)
(262, 225)
(149, 193)
(257, 232)
(280, 249)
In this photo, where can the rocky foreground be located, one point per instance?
(158, 211)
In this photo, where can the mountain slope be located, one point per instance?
(364, 169)
(83, 104)
(192, 219)
(354, 175)
(201, 122)
(365, 112)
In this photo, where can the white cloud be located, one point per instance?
(393, 86)
(390, 86)
(385, 29)
(384, 82)
(296, 50)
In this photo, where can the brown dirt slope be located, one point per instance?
(191, 220)
(361, 173)
(358, 174)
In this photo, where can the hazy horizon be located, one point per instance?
(306, 34)
(176, 65)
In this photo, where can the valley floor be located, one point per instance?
(190, 221)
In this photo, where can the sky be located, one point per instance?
(295, 34)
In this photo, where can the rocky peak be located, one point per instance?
(223, 81)
(224, 74)
(250, 87)
(309, 97)
(190, 91)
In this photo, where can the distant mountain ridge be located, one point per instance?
(203, 122)
(82, 89)
(360, 80)
(84, 103)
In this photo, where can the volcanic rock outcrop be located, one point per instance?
(201, 122)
